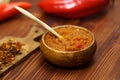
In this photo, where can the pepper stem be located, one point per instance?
(113, 1)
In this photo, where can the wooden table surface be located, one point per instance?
(106, 62)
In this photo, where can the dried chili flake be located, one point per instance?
(8, 51)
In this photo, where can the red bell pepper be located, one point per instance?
(7, 10)
(73, 8)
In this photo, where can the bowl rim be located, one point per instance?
(60, 26)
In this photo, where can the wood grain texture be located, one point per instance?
(29, 45)
(106, 62)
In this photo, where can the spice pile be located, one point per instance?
(8, 51)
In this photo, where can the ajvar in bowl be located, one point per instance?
(77, 47)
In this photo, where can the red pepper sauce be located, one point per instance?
(74, 39)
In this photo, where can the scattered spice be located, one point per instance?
(8, 51)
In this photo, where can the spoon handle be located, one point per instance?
(31, 16)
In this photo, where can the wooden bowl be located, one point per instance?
(68, 58)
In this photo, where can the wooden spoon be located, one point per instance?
(28, 14)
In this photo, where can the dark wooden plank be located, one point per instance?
(29, 45)
(105, 66)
